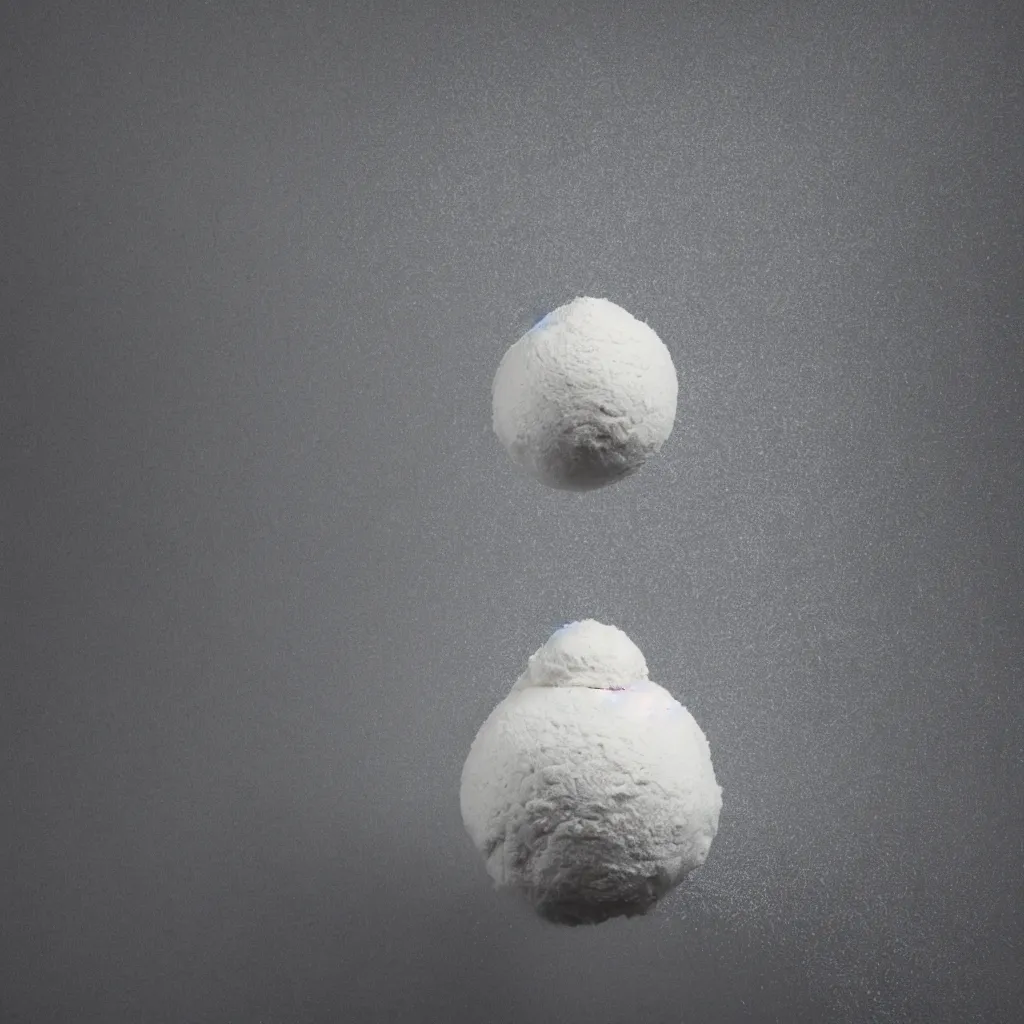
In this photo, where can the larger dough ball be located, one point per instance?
(590, 789)
(586, 396)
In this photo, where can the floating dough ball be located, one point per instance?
(589, 789)
(585, 396)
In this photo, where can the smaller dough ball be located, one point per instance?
(585, 397)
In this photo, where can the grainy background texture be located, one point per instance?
(266, 569)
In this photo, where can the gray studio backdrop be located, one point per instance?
(266, 570)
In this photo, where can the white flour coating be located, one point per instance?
(586, 396)
(590, 789)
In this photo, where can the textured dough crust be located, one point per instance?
(586, 396)
(593, 801)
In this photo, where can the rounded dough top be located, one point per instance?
(588, 654)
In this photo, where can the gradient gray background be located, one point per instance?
(267, 569)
